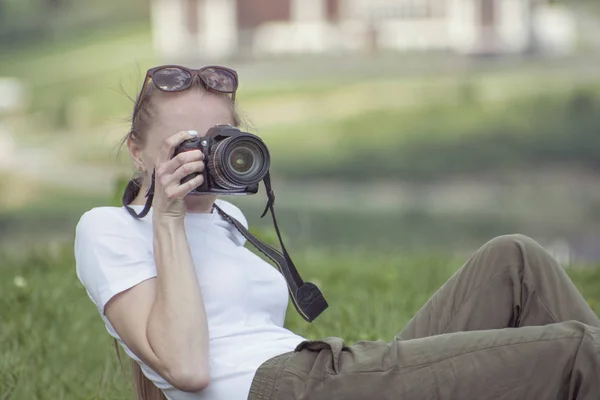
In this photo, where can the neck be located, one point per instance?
(200, 204)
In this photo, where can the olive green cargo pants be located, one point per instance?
(509, 325)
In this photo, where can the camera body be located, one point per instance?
(235, 161)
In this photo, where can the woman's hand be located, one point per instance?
(168, 189)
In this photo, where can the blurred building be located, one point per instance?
(224, 28)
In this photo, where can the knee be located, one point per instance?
(516, 242)
(515, 250)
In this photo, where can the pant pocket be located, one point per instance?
(334, 344)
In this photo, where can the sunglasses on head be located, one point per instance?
(174, 78)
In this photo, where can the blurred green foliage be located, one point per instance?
(26, 22)
(82, 74)
(461, 138)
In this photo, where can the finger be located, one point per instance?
(182, 172)
(181, 159)
(171, 143)
(182, 190)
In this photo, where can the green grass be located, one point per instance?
(54, 345)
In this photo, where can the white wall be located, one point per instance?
(307, 32)
(169, 34)
(556, 30)
(382, 9)
(513, 27)
(297, 38)
(308, 10)
(218, 32)
(463, 34)
(400, 34)
(217, 29)
(511, 35)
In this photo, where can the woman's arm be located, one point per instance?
(163, 320)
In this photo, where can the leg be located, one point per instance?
(511, 281)
(551, 362)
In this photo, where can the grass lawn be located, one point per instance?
(54, 345)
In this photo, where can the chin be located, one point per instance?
(199, 203)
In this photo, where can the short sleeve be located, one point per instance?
(111, 254)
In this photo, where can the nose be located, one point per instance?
(199, 81)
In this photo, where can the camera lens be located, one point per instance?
(238, 162)
(245, 158)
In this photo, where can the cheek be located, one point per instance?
(152, 149)
(149, 155)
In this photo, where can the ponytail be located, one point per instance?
(144, 388)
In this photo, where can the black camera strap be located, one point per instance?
(131, 192)
(306, 297)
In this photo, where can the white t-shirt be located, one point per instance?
(245, 297)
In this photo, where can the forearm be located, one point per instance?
(177, 328)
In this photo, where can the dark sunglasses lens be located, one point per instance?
(172, 79)
(219, 80)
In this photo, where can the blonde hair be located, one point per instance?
(145, 389)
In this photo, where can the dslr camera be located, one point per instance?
(235, 161)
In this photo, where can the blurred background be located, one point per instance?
(392, 123)
(396, 127)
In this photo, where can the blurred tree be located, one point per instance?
(30, 21)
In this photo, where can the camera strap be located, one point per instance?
(306, 297)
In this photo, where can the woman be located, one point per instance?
(203, 317)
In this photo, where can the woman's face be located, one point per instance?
(194, 110)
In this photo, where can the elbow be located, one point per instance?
(189, 380)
